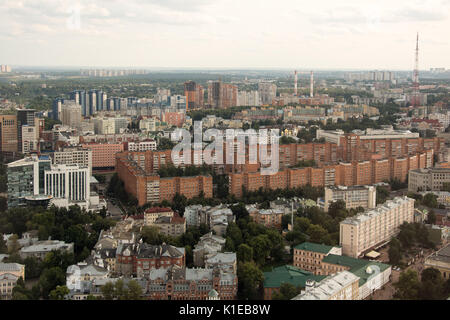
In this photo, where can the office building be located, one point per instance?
(429, 179)
(73, 155)
(25, 117)
(8, 133)
(26, 179)
(71, 114)
(29, 139)
(69, 182)
(41, 248)
(375, 227)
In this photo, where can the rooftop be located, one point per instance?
(314, 247)
(288, 274)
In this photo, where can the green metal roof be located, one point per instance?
(314, 247)
(357, 266)
(288, 274)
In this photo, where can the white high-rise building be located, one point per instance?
(74, 155)
(267, 92)
(69, 182)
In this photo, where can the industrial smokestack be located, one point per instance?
(312, 85)
(295, 84)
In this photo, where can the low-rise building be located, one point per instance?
(7, 282)
(141, 258)
(431, 179)
(177, 283)
(171, 226)
(41, 248)
(440, 260)
(270, 218)
(340, 286)
(286, 274)
(15, 269)
(208, 245)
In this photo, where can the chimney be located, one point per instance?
(309, 285)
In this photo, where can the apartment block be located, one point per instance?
(104, 154)
(74, 155)
(353, 196)
(375, 227)
(138, 171)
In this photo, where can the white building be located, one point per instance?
(71, 182)
(375, 227)
(248, 98)
(353, 196)
(142, 145)
(340, 286)
(29, 139)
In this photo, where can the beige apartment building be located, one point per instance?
(431, 179)
(152, 214)
(74, 155)
(354, 197)
(372, 228)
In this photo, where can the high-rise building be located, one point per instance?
(375, 227)
(194, 94)
(57, 107)
(92, 102)
(25, 117)
(71, 114)
(80, 97)
(8, 133)
(248, 98)
(26, 178)
(74, 155)
(267, 92)
(71, 182)
(222, 95)
(29, 139)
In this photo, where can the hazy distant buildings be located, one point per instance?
(71, 114)
(248, 98)
(4, 68)
(222, 95)
(267, 92)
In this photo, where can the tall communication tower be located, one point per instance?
(416, 100)
(311, 91)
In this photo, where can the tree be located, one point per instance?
(261, 248)
(3, 247)
(151, 235)
(432, 285)
(134, 290)
(108, 291)
(244, 253)
(395, 253)
(58, 293)
(408, 286)
(431, 217)
(229, 245)
(13, 245)
(250, 278)
(50, 279)
(382, 194)
(287, 292)
(318, 234)
(430, 200)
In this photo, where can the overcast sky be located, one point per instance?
(337, 34)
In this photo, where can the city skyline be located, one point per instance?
(225, 34)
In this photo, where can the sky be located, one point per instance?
(319, 34)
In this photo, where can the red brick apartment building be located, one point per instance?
(347, 174)
(104, 154)
(138, 171)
